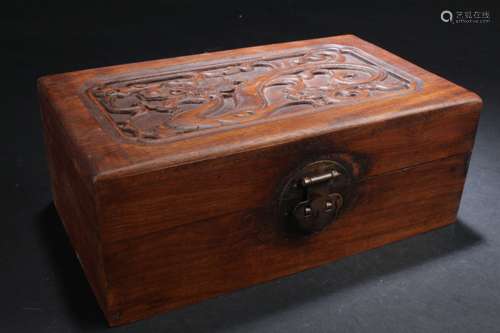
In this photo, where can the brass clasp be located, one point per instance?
(314, 196)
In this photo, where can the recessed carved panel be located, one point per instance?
(202, 97)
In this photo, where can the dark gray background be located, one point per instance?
(445, 280)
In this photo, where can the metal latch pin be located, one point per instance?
(306, 181)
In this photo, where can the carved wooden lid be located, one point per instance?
(177, 110)
(158, 107)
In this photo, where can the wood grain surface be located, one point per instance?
(166, 216)
(167, 269)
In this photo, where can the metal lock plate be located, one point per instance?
(314, 195)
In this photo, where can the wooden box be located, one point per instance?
(181, 179)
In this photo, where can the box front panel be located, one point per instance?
(189, 263)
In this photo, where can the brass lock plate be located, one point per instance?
(314, 196)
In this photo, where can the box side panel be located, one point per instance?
(189, 263)
(137, 205)
(74, 201)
